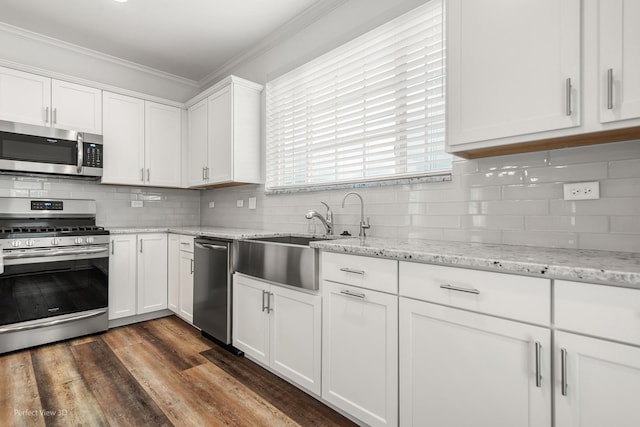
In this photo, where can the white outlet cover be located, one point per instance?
(252, 202)
(239, 203)
(212, 205)
(137, 204)
(582, 190)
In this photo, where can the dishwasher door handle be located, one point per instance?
(211, 246)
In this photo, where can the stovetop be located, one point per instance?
(50, 231)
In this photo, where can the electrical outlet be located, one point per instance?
(252, 202)
(239, 203)
(582, 190)
(137, 204)
(212, 205)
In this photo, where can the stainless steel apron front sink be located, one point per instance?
(284, 259)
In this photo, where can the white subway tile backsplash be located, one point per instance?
(624, 169)
(567, 173)
(510, 199)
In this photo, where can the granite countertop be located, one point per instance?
(197, 231)
(615, 268)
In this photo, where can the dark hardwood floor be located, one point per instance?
(156, 373)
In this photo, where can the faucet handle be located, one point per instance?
(366, 224)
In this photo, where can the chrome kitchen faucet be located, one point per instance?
(363, 225)
(326, 221)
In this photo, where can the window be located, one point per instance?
(371, 109)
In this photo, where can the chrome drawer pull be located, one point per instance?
(456, 288)
(538, 365)
(351, 270)
(563, 363)
(353, 294)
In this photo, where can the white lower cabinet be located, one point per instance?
(137, 274)
(597, 382)
(360, 352)
(597, 377)
(180, 276)
(459, 368)
(279, 327)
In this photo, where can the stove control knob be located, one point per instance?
(15, 243)
(78, 240)
(29, 242)
(89, 239)
(55, 241)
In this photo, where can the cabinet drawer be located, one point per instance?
(599, 310)
(186, 243)
(527, 299)
(366, 272)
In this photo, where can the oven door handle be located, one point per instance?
(46, 253)
(51, 322)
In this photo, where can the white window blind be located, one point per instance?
(371, 109)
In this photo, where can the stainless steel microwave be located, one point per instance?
(37, 149)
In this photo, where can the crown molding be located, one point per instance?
(294, 25)
(27, 34)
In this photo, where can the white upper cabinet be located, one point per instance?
(513, 69)
(224, 135)
(76, 107)
(162, 145)
(142, 142)
(197, 159)
(33, 99)
(24, 97)
(619, 60)
(123, 140)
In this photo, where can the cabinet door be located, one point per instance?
(619, 69)
(122, 276)
(76, 107)
(24, 97)
(602, 382)
(459, 368)
(250, 317)
(186, 286)
(295, 336)
(152, 272)
(198, 122)
(173, 273)
(162, 145)
(360, 352)
(220, 155)
(123, 139)
(508, 68)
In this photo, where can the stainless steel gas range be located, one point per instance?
(54, 271)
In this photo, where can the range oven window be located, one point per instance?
(40, 290)
(38, 149)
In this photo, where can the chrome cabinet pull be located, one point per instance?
(148, 175)
(113, 246)
(264, 306)
(538, 365)
(54, 116)
(269, 308)
(610, 89)
(459, 289)
(563, 366)
(141, 245)
(142, 174)
(191, 266)
(206, 172)
(353, 294)
(45, 114)
(568, 94)
(351, 270)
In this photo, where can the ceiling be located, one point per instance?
(187, 38)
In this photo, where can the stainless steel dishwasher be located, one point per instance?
(212, 289)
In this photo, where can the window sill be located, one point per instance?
(367, 184)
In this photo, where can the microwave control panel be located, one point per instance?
(92, 155)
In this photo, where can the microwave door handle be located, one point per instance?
(80, 143)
